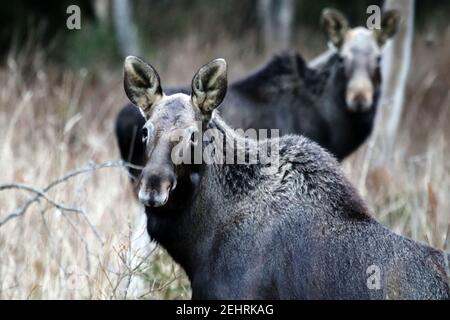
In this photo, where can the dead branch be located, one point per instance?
(38, 193)
(161, 287)
(18, 212)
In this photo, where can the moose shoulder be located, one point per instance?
(301, 232)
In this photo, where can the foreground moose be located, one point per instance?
(333, 104)
(300, 232)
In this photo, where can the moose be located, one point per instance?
(333, 103)
(300, 232)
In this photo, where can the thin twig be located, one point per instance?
(39, 194)
(162, 287)
(18, 212)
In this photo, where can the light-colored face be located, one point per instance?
(360, 57)
(359, 50)
(171, 121)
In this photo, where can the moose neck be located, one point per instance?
(352, 127)
(165, 224)
(231, 177)
(187, 224)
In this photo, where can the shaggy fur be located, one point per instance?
(301, 232)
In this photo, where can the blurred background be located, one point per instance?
(61, 89)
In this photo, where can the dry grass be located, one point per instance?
(53, 121)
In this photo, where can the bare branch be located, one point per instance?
(18, 212)
(38, 193)
(161, 287)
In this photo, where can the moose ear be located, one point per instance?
(141, 83)
(335, 25)
(389, 26)
(209, 86)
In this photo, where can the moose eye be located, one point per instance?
(144, 132)
(340, 62)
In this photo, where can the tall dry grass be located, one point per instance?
(53, 121)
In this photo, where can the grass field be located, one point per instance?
(53, 121)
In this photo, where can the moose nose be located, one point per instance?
(153, 199)
(155, 188)
(359, 102)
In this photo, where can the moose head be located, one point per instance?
(171, 121)
(359, 52)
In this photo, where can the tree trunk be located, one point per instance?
(285, 19)
(125, 29)
(101, 9)
(395, 68)
(276, 18)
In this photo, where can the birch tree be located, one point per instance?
(101, 9)
(276, 18)
(395, 68)
(125, 29)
